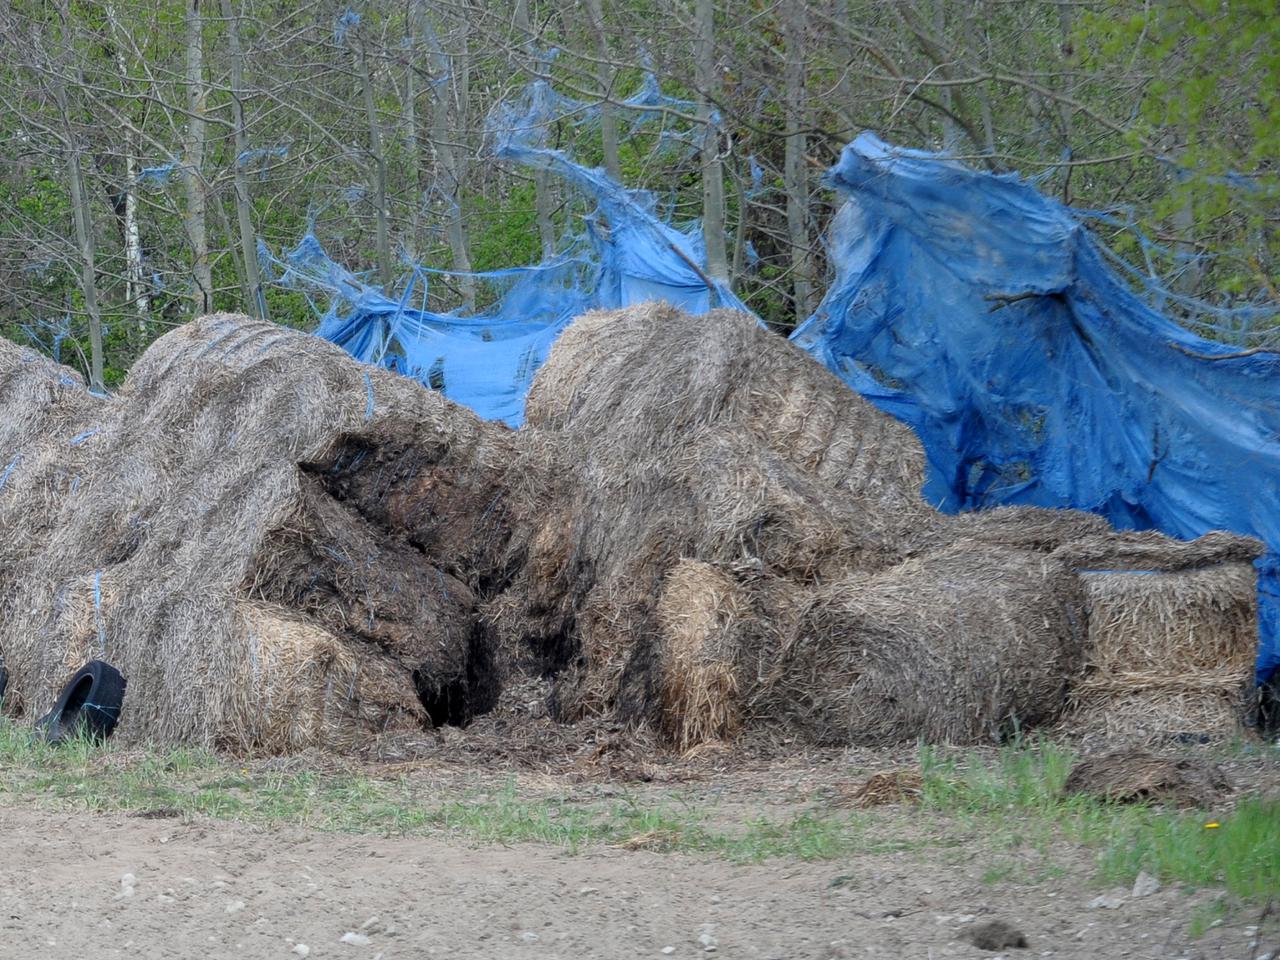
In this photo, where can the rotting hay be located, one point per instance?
(700, 532)
(1136, 776)
(959, 646)
(731, 538)
(277, 546)
(885, 788)
(679, 450)
(1172, 634)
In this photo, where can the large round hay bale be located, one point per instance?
(960, 646)
(247, 467)
(645, 377)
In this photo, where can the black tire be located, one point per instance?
(4, 681)
(90, 704)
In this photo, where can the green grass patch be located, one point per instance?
(1016, 799)
(85, 775)
(1007, 806)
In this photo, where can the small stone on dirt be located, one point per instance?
(302, 950)
(529, 937)
(1105, 902)
(1145, 885)
(354, 939)
(668, 950)
(235, 906)
(995, 935)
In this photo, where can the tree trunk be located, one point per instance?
(449, 167)
(712, 172)
(543, 201)
(193, 164)
(254, 295)
(82, 215)
(379, 171)
(136, 290)
(795, 175)
(605, 76)
(410, 109)
(950, 129)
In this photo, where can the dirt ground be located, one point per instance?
(113, 885)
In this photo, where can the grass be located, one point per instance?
(1017, 799)
(1011, 800)
(89, 776)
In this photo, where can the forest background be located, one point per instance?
(150, 150)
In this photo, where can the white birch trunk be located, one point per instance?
(193, 162)
(254, 296)
(712, 164)
(794, 175)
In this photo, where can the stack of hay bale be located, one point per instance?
(699, 529)
(732, 538)
(1173, 631)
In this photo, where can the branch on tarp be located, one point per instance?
(1224, 356)
(714, 298)
(1002, 300)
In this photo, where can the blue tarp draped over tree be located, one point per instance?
(967, 304)
(986, 316)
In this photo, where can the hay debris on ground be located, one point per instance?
(1136, 776)
(886, 787)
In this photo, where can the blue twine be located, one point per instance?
(368, 386)
(4, 477)
(97, 614)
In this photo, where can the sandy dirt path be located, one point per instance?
(207, 888)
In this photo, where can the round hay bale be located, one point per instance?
(959, 646)
(245, 463)
(646, 376)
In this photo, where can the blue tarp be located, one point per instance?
(985, 315)
(969, 305)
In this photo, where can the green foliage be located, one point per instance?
(1209, 107)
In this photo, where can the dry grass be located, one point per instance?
(1135, 776)
(701, 533)
(732, 539)
(220, 537)
(887, 787)
(1168, 652)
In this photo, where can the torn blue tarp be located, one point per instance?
(625, 254)
(966, 304)
(986, 316)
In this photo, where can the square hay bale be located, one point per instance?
(1168, 651)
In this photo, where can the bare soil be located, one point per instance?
(211, 888)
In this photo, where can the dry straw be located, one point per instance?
(237, 532)
(700, 531)
(731, 538)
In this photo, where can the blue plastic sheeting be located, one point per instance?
(487, 360)
(986, 316)
(968, 305)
